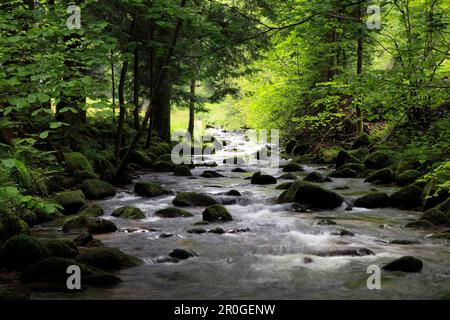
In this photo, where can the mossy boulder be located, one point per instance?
(173, 212)
(62, 248)
(21, 251)
(28, 216)
(79, 166)
(344, 157)
(141, 159)
(360, 153)
(373, 200)
(80, 224)
(378, 160)
(192, 199)
(164, 166)
(311, 195)
(211, 174)
(233, 193)
(420, 224)
(293, 167)
(405, 264)
(54, 270)
(409, 197)
(328, 154)
(382, 176)
(128, 213)
(288, 176)
(344, 173)
(149, 189)
(94, 189)
(262, 179)
(108, 259)
(182, 171)
(358, 167)
(439, 215)
(362, 141)
(216, 213)
(92, 210)
(432, 197)
(407, 177)
(316, 177)
(11, 225)
(284, 186)
(71, 201)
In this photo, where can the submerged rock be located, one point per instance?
(149, 189)
(239, 170)
(405, 264)
(95, 189)
(128, 213)
(192, 199)
(62, 248)
(211, 174)
(181, 254)
(405, 242)
(407, 177)
(326, 222)
(173, 212)
(293, 167)
(343, 233)
(311, 195)
(217, 213)
(373, 200)
(182, 171)
(197, 230)
(261, 179)
(352, 252)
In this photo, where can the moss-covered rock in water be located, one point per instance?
(173, 212)
(382, 176)
(108, 259)
(192, 199)
(344, 157)
(316, 177)
(216, 213)
(21, 251)
(62, 248)
(141, 159)
(311, 195)
(78, 165)
(293, 167)
(11, 225)
(211, 174)
(94, 189)
(290, 145)
(262, 179)
(92, 210)
(128, 213)
(164, 166)
(405, 264)
(420, 224)
(233, 193)
(284, 186)
(409, 197)
(344, 173)
(362, 141)
(80, 224)
(377, 160)
(436, 217)
(373, 200)
(407, 177)
(182, 171)
(71, 201)
(288, 176)
(54, 270)
(358, 167)
(329, 154)
(149, 189)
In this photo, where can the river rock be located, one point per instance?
(21, 251)
(284, 186)
(217, 230)
(377, 160)
(311, 195)
(95, 189)
(149, 189)
(261, 179)
(233, 193)
(344, 157)
(217, 213)
(326, 222)
(352, 252)
(54, 270)
(344, 173)
(93, 210)
(128, 213)
(79, 166)
(173, 212)
(239, 170)
(343, 233)
(211, 174)
(293, 167)
(71, 201)
(405, 264)
(11, 225)
(358, 167)
(288, 176)
(197, 230)
(108, 259)
(409, 197)
(404, 242)
(193, 199)
(382, 176)
(407, 177)
(80, 224)
(163, 166)
(373, 200)
(316, 177)
(62, 248)
(181, 254)
(83, 239)
(182, 171)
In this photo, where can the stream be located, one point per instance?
(275, 254)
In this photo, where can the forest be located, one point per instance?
(96, 95)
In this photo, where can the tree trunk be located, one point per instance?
(136, 89)
(359, 71)
(113, 85)
(192, 107)
(119, 135)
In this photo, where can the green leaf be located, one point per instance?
(32, 98)
(43, 98)
(44, 134)
(56, 125)
(9, 163)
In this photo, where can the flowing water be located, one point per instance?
(279, 256)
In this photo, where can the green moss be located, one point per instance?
(173, 212)
(91, 211)
(344, 173)
(62, 248)
(81, 224)
(311, 195)
(95, 189)
(358, 167)
(377, 160)
(182, 171)
(108, 259)
(191, 199)
(78, 165)
(382, 176)
(329, 154)
(21, 251)
(11, 225)
(163, 166)
(409, 197)
(344, 157)
(293, 167)
(149, 189)
(407, 177)
(71, 201)
(129, 213)
(262, 179)
(217, 213)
